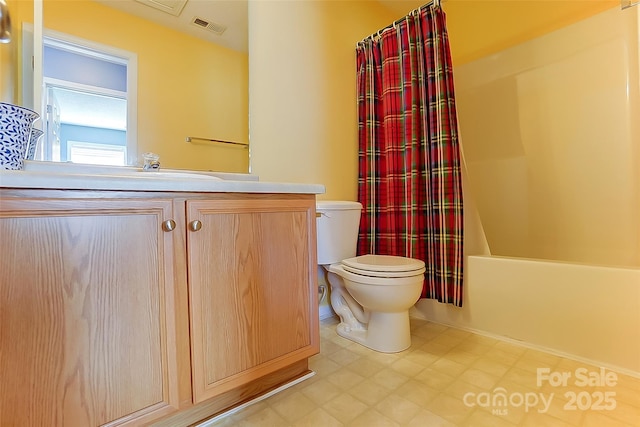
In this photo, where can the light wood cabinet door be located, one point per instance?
(252, 289)
(86, 312)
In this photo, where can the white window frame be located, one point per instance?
(104, 52)
(53, 151)
(82, 145)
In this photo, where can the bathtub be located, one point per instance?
(584, 312)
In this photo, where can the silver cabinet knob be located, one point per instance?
(195, 225)
(168, 225)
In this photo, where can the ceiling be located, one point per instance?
(493, 24)
(231, 14)
(228, 14)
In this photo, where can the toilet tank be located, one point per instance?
(337, 228)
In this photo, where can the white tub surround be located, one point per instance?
(584, 312)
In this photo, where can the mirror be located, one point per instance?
(187, 86)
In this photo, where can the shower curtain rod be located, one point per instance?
(378, 33)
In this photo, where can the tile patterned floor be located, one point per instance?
(448, 377)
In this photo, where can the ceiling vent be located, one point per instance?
(172, 7)
(208, 25)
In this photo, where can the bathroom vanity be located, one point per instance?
(151, 300)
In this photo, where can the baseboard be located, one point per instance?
(211, 421)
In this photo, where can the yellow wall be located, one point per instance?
(468, 22)
(10, 66)
(303, 107)
(186, 86)
(478, 28)
(7, 72)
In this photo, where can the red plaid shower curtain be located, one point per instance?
(409, 160)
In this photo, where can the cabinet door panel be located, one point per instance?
(251, 290)
(86, 312)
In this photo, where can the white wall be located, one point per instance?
(302, 90)
(302, 93)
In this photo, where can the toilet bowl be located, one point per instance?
(371, 294)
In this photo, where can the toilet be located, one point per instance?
(371, 294)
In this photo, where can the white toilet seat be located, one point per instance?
(383, 266)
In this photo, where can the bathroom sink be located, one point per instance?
(183, 175)
(163, 173)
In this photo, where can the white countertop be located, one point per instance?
(47, 176)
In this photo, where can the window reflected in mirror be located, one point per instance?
(86, 102)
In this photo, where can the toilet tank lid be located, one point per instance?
(337, 205)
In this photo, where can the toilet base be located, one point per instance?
(385, 332)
